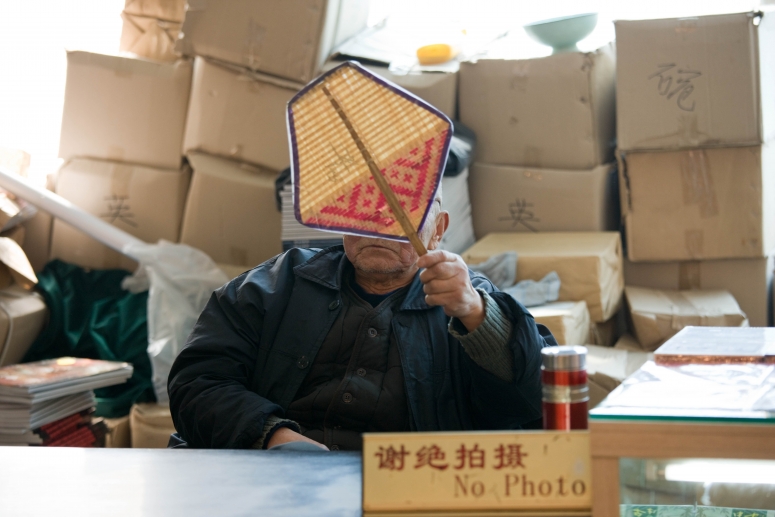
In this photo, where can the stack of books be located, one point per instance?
(51, 402)
(296, 235)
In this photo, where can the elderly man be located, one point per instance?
(323, 345)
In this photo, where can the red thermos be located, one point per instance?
(565, 391)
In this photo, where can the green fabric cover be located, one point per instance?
(92, 316)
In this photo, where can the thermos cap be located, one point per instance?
(564, 358)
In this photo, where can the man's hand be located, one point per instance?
(285, 435)
(447, 284)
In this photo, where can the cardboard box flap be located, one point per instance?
(748, 280)
(589, 264)
(232, 170)
(658, 315)
(28, 314)
(125, 66)
(610, 361)
(149, 37)
(14, 258)
(609, 367)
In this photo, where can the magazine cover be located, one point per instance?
(54, 371)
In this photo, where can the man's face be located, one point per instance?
(379, 256)
(386, 257)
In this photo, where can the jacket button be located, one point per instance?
(361, 371)
(347, 398)
(303, 362)
(334, 447)
(372, 332)
(333, 305)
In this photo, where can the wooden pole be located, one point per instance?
(382, 183)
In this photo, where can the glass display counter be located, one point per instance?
(686, 441)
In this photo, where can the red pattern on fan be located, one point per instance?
(364, 207)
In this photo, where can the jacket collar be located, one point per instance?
(327, 268)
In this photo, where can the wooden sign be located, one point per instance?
(525, 470)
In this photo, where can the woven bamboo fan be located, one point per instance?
(367, 155)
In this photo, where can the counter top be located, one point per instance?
(177, 482)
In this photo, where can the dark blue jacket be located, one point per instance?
(256, 338)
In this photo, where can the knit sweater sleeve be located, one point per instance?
(487, 345)
(273, 423)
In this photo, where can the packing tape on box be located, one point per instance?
(255, 76)
(254, 42)
(688, 130)
(698, 189)
(682, 304)
(694, 240)
(129, 18)
(689, 276)
(697, 183)
(159, 35)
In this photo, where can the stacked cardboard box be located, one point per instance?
(23, 312)
(122, 135)
(656, 316)
(231, 212)
(545, 131)
(696, 160)
(608, 367)
(589, 265)
(290, 39)
(545, 148)
(151, 28)
(251, 58)
(150, 426)
(567, 321)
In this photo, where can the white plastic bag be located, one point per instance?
(501, 269)
(180, 280)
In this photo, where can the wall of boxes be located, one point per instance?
(642, 172)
